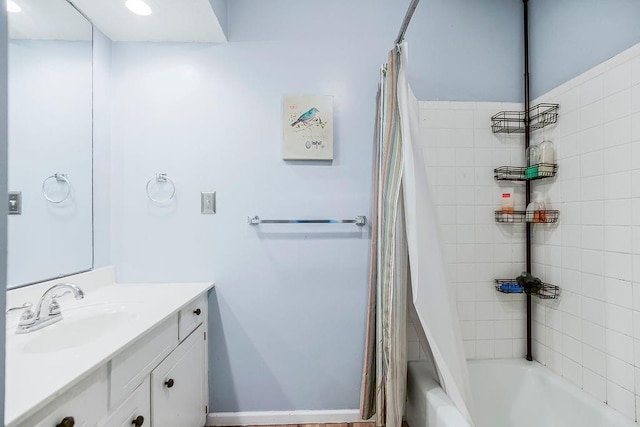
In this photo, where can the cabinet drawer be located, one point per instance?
(129, 368)
(178, 385)
(137, 406)
(191, 316)
(86, 403)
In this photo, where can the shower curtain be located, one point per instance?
(405, 226)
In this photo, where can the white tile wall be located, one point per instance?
(591, 335)
(460, 154)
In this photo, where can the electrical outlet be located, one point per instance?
(15, 203)
(208, 202)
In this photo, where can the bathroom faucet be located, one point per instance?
(47, 311)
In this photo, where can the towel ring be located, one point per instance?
(162, 179)
(61, 178)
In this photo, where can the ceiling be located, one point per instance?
(48, 20)
(171, 21)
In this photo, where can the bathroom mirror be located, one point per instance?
(50, 141)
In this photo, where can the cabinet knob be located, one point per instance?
(197, 312)
(66, 422)
(138, 421)
(168, 383)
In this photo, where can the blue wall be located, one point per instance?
(568, 37)
(466, 50)
(459, 50)
(288, 313)
(220, 9)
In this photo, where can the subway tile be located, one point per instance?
(592, 261)
(572, 371)
(619, 345)
(619, 319)
(594, 335)
(503, 349)
(571, 190)
(617, 79)
(621, 373)
(572, 326)
(635, 127)
(593, 286)
(594, 384)
(618, 131)
(635, 98)
(591, 115)
(572, 348)
(592, 310)
(591, 164)
(617, 105)
(618, 266)
(446, 156)
(618, 212)
(465, 215)
(617, 159)
(463, 119)
(485, 349)
(591, 90)
(466, 311)
(621, 400)
(592, 188)
(635, 73)
(592, 139)
(618, 292)
(464, 156)
(570, 236)
(617, 239)
(594, 359)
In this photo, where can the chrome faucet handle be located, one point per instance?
(54, 307)
(24, 306)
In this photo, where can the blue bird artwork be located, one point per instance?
(306, 117)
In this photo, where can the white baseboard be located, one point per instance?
(283, 417)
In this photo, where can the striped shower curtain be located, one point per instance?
(405, 231)
(384, 377)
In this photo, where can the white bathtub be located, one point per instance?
(508, 393)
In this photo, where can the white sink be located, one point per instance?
(81, 326)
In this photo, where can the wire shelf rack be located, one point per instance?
(540, 116)
(511, 286)
(546, 216)
(525, 173)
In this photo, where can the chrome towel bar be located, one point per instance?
(359, 220)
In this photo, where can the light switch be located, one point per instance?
(208, 202)
(15, 203)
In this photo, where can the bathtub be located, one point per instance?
(508, 393)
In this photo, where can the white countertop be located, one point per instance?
(35, 378)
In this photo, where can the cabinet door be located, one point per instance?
(134, 411)
(178, 385)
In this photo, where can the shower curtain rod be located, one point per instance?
(407, 19)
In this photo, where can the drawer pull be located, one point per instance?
(168, 383)
(66, 422)
(197, 312)
(138, 421)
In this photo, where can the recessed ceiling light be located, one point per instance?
(138, 7)
(13, 7)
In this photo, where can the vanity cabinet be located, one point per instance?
(159, 380)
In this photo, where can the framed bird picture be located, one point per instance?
(307, 128)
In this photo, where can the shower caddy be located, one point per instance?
(524, 122)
